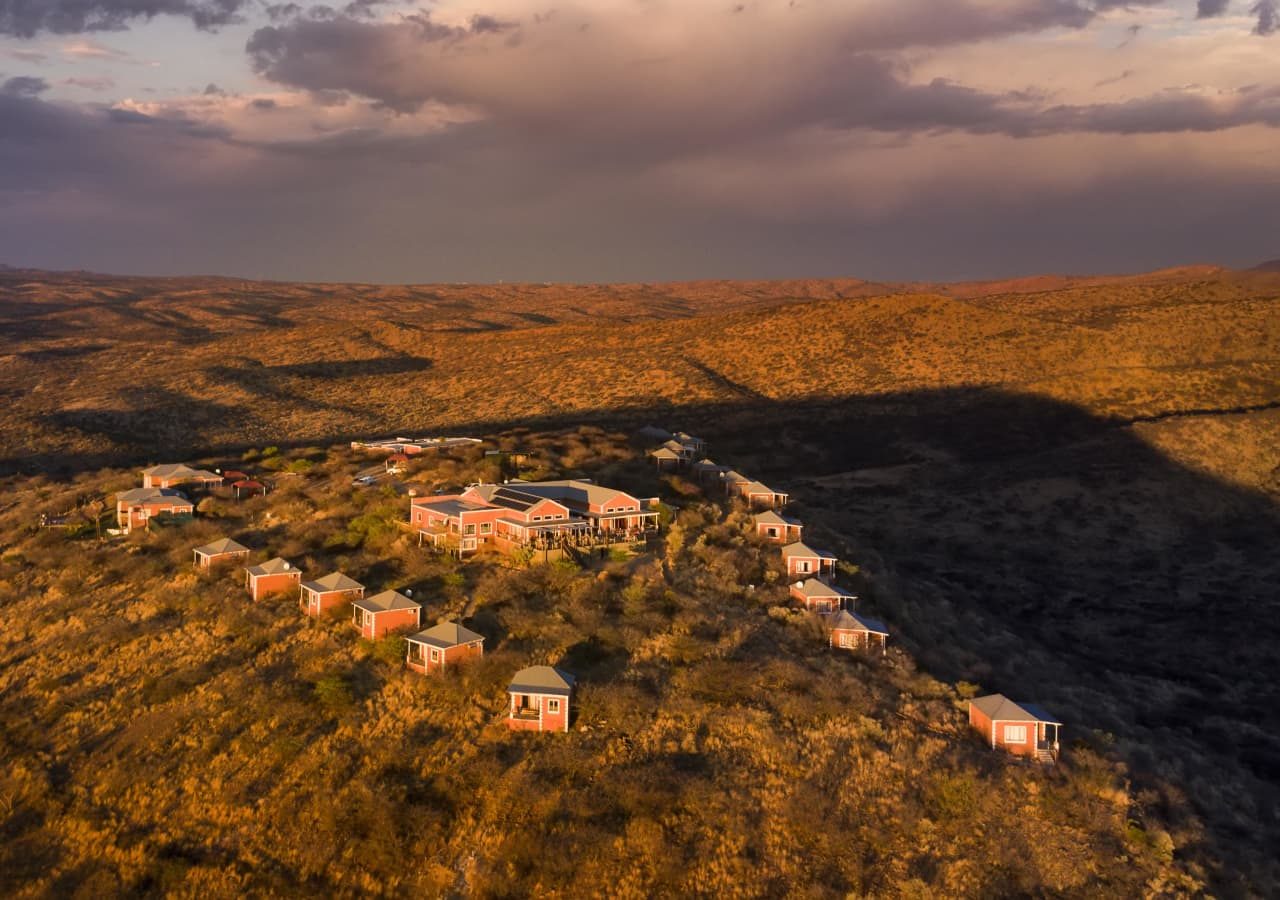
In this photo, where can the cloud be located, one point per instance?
(27, 18)
(24, 86)
(1268, 13)
(92, 50)
(100, 83)
(1208, 9)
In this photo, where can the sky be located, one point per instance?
(638, 140)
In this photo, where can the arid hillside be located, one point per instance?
(107, 370)
(1065, 489)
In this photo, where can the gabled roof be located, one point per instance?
(446, 635)
(757, 487)
(709, 465)
(541, 680)
(180, 470)
(817, 588)
(999, 708)
(849, 621)
(800, 548)
(275, 566)
(664, 452)
(222, 545)
(386, 602)
(674, 447)
(770, 517)
(572, 489)
(146, 495)
(732, 477)
(685, 437)
(334, 581)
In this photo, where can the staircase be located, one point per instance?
(1046, 757)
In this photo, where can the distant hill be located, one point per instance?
(1271, 265)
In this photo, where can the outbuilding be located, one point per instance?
(319, 596)
(773, 526)
(1022, 729)
(849, 631)
(801, 559)
(441, 646)
(272, 577)
(821, 597)
(220, 551)
(540, 698)
(384, 613)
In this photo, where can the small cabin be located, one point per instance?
(1022, 729)
(759, 495)
(665, 458)
(248, 487)
(801, 559)
(442, 646)
(333, 590)
(773, 526)
(172, 475)
(847, 630)
(220, 551)
(540, 698)
(385, 613)
(821, 597)
(272, 577)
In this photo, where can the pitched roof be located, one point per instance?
(800, 548)
(334, 581)
(144, 495)
(757, 487)
(541, 680)
(180, 470)
(222, 545)
(816, 587)
(733, 477)
(445, 635)
(275, 566)
(685, 437)
(386, 602)
(849, 621)
(674, 447)
(769, 517)
(999, 708)
(664, 452)
(572, 489)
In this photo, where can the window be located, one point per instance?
(553, 706)
(468, 529)
(773, 532)
(1015, 734)
(804, 566)
(847, 640)
(485, 527)
(435, 655)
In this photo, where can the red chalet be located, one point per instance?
(444, 645)
(540, 699)
(136, 508)
(850, 631)
(801, 559)
(220, 551)
(319, 596)
(1019, 728)
(381, 614)
(773, 526)
(174, 475)
(521, 514)
(820, 597)
(271, 577)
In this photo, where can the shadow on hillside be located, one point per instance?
(1037, 550)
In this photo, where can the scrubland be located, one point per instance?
(1062, 489)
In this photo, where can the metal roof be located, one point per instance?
(386, 602)
(334, 581)
(999, 708)
(849, 621)
(541, 680)
(445, 635)
(275, 566)
(222, 545)
(816, 587)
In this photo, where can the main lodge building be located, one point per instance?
(529, 513)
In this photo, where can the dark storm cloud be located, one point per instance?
(26, 18)
(1208, 9)
(24, 86)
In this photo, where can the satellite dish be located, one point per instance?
(408, 592)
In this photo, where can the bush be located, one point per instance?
(333, 693)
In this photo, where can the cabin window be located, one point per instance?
(553, 706)
(846, 640)
(485, 528)
(773, 532)
(468, 529)
(804, 566)
(1015, 734)
(435, 655)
